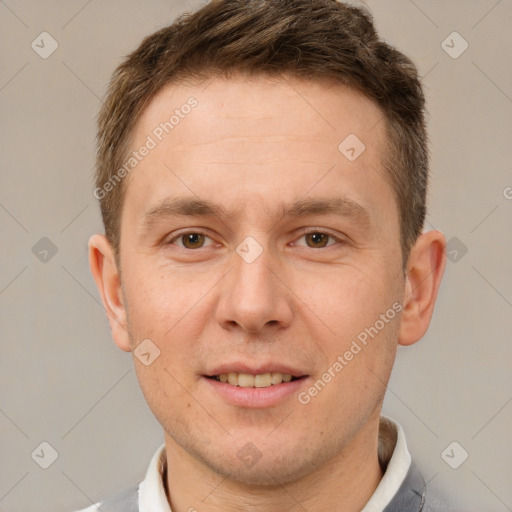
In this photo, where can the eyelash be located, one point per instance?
(302, 234)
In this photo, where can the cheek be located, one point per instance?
(161, 309)
(159, 300)
(350, 299)
(166, 393)
(362, 313)
(170, 308)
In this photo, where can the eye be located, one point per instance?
(197, 240)
(190, 240)
(318, 239)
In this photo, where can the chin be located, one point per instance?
(269, 474)
(273, 465)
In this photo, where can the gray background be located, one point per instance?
(62, 379)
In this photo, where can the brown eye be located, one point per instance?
(193, 240)
(317, 239)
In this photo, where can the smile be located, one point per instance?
(262, 390)
(247, 380)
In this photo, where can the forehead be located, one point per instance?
(258, 135)
(288, 106)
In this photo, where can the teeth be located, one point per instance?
(246, 380)
(263, 380)
(277, 378)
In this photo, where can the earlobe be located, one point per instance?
(106, 275)
(425, 269)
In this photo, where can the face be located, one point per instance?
(251, 244)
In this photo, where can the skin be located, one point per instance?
(250, 145)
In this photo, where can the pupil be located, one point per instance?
(193, 239)
(318, 238)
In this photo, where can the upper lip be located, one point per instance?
(254, 369)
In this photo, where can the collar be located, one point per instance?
(401, 484)
(152, 497)
(395, 458)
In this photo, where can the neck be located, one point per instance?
(344, 482)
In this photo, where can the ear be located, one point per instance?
(107, 277)
(425, 269)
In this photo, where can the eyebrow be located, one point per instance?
(194, 207)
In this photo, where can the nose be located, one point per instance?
(253, 296)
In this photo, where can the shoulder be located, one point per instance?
(126, 501)
(435, 501)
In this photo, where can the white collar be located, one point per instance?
(397, 466)
(152, 497)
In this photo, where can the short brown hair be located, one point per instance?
(308, 39)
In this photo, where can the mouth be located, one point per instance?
(254, 390)
(261, 380)
(251, 384)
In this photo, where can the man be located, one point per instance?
(262, 173)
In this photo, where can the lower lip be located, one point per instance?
(255, 397)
